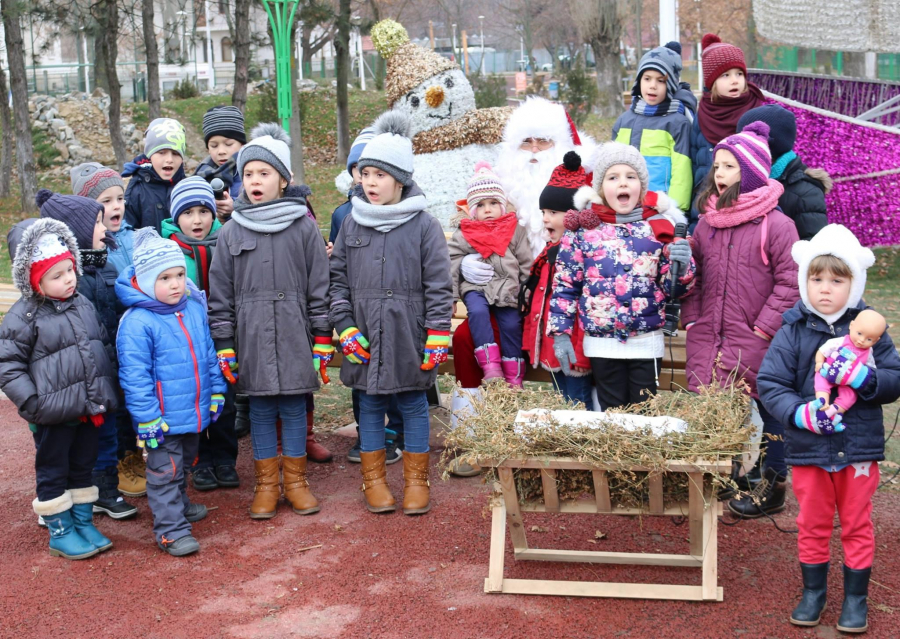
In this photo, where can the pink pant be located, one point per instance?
(819, 493)
(846, 396)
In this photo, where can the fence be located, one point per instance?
(794, 59)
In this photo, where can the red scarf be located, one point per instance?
(490, 236)
(719, 119)
(591, 218)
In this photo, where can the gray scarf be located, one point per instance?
(274, 216)
(635, 216)
(386, 218)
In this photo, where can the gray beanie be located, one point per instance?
(391, 149)
(270, 144)
(612, 153)
(92, 178)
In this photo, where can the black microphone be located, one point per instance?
(673, 306)
(218, 187)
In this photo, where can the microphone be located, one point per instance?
(218, 187)
(673, 307)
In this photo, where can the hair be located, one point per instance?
(727, 199)
(834, 265)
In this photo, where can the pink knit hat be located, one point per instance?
(484, 185)
(718, 57)
(751, 149)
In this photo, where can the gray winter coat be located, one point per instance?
(393, 287)
(55, 362)
(268, 298)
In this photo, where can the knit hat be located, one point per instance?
(391, 149)
(192, 191)
(164, 133)
(751, 149)
(565, 180)
(269, 144)
(152, 256)
(92, 178)
(717, 58)
(227, 121)
(408, 65)
(358, 145)
(782, 127)
(612, 153)
(484, 185)
(76, 212)
(839, 241)
(50, 250)
(666, 60)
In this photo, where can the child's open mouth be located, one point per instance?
(372, 195)
(623, 198)
(115, 219)
(721, 186)
(197, 232)
(256, 194)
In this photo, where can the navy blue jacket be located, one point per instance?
(147, 194)
(701, 162)
(337, 218)
(99, 286)
(785, 382)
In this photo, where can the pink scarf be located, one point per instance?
(749, 206)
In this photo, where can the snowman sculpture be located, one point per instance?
(449, 134)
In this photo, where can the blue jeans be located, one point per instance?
(413, 407)
(395, 419)
(577, 389)
(108, 444)
(509, 321)
(774, 448)
(264, 412)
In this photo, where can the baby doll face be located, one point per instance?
(730, 84)
(621, 188)
(196, 222)
(166, 163)
(170, 285)
(99, 232)
(554, 224)
(221, 149)
(828, 292)
(113, 201)
(59, 282)
(653, 87)
(489, 209)
(262, 183)
(867, 329)
(726, 170)
(381, 188)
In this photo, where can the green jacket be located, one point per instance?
(207, 245)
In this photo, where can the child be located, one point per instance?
(337, 218)
(223, 134)
(803, 199)
(727, 95)
(154, 174)
(194, 227)
(494, 234)
(404, 308)
(269, 286)
(659, 123)
(56, 369)
(104, 185)
(746, 279)
(838, 470)
(612, 273)
(171, 378)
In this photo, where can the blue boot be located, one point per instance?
(83, 515)
(64, 539)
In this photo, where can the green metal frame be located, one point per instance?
(281, 17)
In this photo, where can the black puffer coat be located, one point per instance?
(803, 199)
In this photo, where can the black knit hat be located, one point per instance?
(227, 121)
(782, 127)
(76, 212)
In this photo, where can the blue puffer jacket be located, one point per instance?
(123, 256)
(785, 382)
(701, 162)
(167, 362)
(147, 194)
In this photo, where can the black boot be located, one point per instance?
(742, 482)
(110, 501)
(815, 587)
(855, 611)
(766, 499)
(242, 416)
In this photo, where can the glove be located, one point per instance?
(355, 346)
(680, 253)
(323, 353)
(565, 352)
(811, 417)
(437, 348)
(151, 433)
(228, 364)
(844, 370)
(475, 271)
(217, 401)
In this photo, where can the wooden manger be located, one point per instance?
(702, 512)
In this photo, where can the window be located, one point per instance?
(226, 50)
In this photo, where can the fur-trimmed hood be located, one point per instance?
(585, 196)
(21, 270)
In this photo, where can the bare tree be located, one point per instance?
(342, 62)
(600, 23)
(106, 13)
(241, 53)
(154, 101)
(7, 141)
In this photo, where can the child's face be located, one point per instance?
(554, 224)
(653, 87)
(828, 293)
(196, 222)
(262, 182)
(99, 232)
(489, 209)
(170, 285)
(59, 282)
(726, 170)
(731, 84)
(380, 187)
(166, 163)
(621, 188)
(113, 201)
(221, 149)
(357, 177)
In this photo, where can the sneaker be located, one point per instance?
(392, 450)
(41, 522)
(204, 479)
(115, 507)
(195, 512)
(133, 475)
(353, 455)
(180, 547)
(227, 477)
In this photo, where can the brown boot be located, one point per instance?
(296, 487)
(416, 488)
(316, 452)
(268, 489)
(378, 496)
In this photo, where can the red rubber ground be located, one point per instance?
(391, 575)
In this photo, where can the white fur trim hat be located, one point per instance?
(391, 149)
(270, 144)
(839, 241)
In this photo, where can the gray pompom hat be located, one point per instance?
(391, 149)
(270, 144)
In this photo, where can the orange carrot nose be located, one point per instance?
(434, 96)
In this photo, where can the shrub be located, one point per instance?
(490, 91)
(185, 90)
(579, 93)
(267, 106)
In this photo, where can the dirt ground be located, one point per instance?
(347, 573)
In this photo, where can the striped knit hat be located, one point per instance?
(227, 121)
(751, 149)
(152, 256)
(192, 191)
(484, 185)
(92, 178)
(717, 58)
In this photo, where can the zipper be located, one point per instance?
(162, 406)
(196, 371)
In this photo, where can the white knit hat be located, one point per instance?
(270, 144)
(391, 149)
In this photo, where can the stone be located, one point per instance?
(62, 150)
(56, 124)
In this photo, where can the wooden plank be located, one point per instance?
(551, 497)
(594, 557)
(605, 589)
(494, 581)
(513, 514)
(695, 512)
(656, 493)
(567, 463)
(710, 569)
(601, 491)
(582, 506)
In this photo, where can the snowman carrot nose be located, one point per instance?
(434, 96)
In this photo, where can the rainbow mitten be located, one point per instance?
(437, 348)
(846, 369)
(323, 353)
(216, 403)
(228, 364)
(811, 417)
(355, 346)
(151, 433)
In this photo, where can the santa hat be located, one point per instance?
(540, 118)
(565, 181)
(484, 185)
(717, 58)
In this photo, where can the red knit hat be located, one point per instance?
(717, 58)
(565, 180)
(49, 251)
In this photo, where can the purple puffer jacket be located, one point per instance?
(738, 287)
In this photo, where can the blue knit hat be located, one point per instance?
(782, 127)
(152, 256)
(192, 191)
(358, 145)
